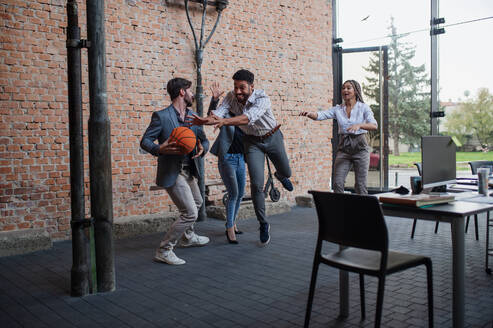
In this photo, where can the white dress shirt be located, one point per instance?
(257, 108)
(360, 114)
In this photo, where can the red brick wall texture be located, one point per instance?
(285, 43)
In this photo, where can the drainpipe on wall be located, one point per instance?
(100, 149)
(79, 274)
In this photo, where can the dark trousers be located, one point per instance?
(255, 152)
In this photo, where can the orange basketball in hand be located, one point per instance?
(184, 138)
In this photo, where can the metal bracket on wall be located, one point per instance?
(436, 31)
(75, 43)
(437, 114)
(86, 223)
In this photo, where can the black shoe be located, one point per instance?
(286, 183)
(264, 234)
(238, 232)
(230, 240)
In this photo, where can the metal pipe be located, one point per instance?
(199, 94)
(336, 83)
(100, 149)
(79, 274)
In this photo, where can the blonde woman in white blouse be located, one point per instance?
(355, 119)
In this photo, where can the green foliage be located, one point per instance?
(409, 103)
(473, 117)
(408, 159)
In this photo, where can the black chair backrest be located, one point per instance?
(418, 166)
(351, 220)
(475, 165)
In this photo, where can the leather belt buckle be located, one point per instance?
(268, 134)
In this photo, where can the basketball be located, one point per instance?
(184, 138)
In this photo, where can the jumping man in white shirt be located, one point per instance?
(253, 114)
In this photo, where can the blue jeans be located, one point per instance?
(232, 170)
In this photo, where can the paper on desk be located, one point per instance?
(479, 199)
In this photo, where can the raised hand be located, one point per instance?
(216, 92)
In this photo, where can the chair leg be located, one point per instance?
(362, 295)
(436, 226)
(429, 276)
(414, 228)
(311, 293)
(467, 223)
(488, 249)
(378, 312)
(476, 226)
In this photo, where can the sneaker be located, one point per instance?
(168, 257)
(286, 183)
(196, 240)
(264, 234)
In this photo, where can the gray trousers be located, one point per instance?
(255, 152)
(361, 163)
(185, 194)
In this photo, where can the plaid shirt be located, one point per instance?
(257, 108)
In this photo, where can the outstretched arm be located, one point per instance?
(237, 120)
(197, 120)
(311, 115)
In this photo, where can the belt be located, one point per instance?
(265, 136)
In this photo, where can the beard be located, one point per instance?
(243, 97)
(188, 101)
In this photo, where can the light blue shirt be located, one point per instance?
(360, 114)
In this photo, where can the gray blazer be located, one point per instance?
(169, 166)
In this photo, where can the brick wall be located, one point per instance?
(285, 43)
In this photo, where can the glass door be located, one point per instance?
(371, 62)
(402, 88)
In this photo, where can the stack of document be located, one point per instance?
(415, 200)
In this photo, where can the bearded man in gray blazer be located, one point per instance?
(177, 173)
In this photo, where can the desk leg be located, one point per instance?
(458, 273)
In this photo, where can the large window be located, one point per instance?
(466, 73)
(449, 72)
(403, 26)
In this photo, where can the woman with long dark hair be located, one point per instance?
(355, 119)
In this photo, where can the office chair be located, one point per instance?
(356, 223)
(418, 166)
(475, 165)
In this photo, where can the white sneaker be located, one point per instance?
(196, 240)
(168, 257)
